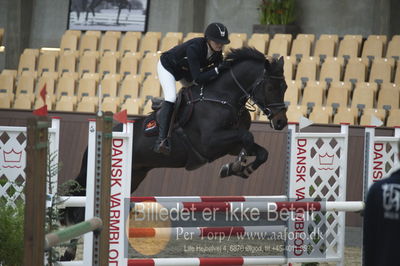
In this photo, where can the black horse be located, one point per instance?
(219, 122)
(218, 125)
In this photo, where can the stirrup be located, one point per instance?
(162, 147)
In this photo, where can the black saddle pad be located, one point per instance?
(150, 126)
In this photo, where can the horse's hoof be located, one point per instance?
(225, 170)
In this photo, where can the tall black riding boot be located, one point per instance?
(162, 145)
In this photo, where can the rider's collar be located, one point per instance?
(210, 51)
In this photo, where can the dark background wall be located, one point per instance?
(40, 23)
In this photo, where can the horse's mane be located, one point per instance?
(244, 53)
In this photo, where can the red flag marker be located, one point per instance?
(43, 93)
(42, 111)
(122, 116)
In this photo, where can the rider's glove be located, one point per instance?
(224, 65)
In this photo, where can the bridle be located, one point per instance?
(270, 110)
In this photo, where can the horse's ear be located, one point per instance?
(280, 62)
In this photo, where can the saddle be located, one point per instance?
(181, 115)
(182, 112)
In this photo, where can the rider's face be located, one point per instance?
(216, 46)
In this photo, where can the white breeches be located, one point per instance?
(168, 84)
(167, 81)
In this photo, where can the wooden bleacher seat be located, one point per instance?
(389, 97)
(324, 48)
(301, 48)
(148, 65)
(7, 86)
(393, 118)
(331, 69)
(314, 93)
(321, 114)
(151, 87)
(236, 43)
(129, 65)
(65, 86)
(345, 115)
(86, 87)
(110, 104)
(129, 88)
(349, 48)
(26, 86)
(47, 63)
(109, 87)
(132, 106)
(27, 62)
(129, 43)
(366, 117)
(108, 64)
(65, 104)
(292, 92)
(294, 112)
(381, 70)
(67, 62)
(285, 36)
(373, 48)
(338, 95)
(356, 71)
(363, 94)
(116, 34)
(87, 64)
(88, 43)
(156, 34)
(260, 43)
(192, 35)
(393, 50)
(168, 42)
(149, 44)
(307, 68)
(108, 43)
(22, 101)
(69, 42)
(178, 35)
(278, 47)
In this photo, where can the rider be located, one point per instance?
(196, 61)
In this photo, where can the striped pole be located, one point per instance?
(232, 261)
(261, 206)
(55, 238)
(209, 198)
(177, 232)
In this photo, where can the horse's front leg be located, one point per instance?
(240, 139)
(239, 167)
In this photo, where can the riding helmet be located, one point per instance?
(217, 32)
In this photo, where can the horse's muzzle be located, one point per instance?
(279, 123)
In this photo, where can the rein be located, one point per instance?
(266, 109)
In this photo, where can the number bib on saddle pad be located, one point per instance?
(150, 126)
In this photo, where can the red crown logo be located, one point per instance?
(326, 159)
(12, 156)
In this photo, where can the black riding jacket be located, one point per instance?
(189, 61)
(382, 223)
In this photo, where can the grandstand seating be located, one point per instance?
(346, 79)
